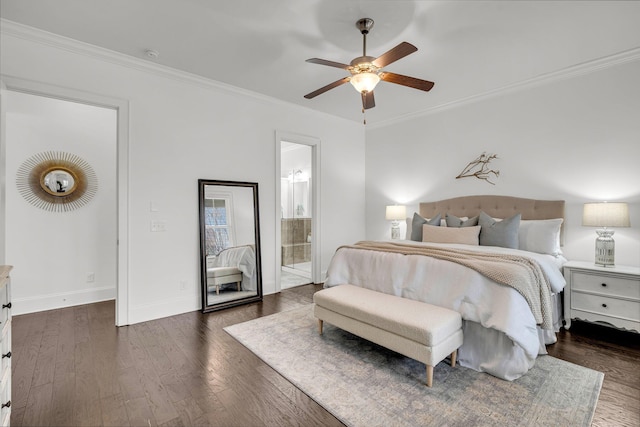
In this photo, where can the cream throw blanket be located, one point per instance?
(519, 272)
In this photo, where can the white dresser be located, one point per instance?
(602, 294)
(5, 344)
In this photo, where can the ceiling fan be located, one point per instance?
(366, 71)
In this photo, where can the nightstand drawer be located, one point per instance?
(610, 285)
(606, 306)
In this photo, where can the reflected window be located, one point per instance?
(218, 226)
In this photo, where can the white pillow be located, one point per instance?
(465, 235)
(541, 236)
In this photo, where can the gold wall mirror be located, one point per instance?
(56, 181)
(229, 244)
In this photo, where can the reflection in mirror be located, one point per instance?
(58, 182)
(229, 244)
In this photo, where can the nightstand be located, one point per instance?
(608, 295)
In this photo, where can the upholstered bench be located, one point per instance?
(217, 276)
(422, 331)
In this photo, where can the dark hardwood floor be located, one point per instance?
(73, 367)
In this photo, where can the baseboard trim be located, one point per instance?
(45, 302)
(164, 308)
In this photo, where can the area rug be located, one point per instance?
(363, 384)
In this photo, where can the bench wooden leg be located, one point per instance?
(429, 375)
(453, 358)
(238, 286)
(218, 290)
(320, 326)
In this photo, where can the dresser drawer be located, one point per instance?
(4, 304)
(5, 347)
(5, 398)
(606, 306)
(610, 285)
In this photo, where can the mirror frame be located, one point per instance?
(31, 175)
(202, 184)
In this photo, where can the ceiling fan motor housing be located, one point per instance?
(363, 64)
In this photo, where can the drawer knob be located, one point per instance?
(6, 305)
(604, 305)
(8, 355)
(604, 285)
(7, 405)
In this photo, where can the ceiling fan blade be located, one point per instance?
(329, 63)
(368, 100)
(327, 87)
(398, 52)
(407, 81)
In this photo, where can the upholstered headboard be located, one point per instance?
(496, 207)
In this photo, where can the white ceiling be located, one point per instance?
(468, 48)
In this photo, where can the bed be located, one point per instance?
(239, 258)
(504, 331)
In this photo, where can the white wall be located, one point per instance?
(574, 138)
(54, 252)
(196, 129)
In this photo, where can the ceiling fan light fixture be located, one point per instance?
(364, 82)
(367, 71)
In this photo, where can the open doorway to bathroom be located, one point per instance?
(296, 219)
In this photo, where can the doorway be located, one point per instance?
(299, 155)
(296, 217)
(117, 252)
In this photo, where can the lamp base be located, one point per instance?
(395, 230)
(605, 248)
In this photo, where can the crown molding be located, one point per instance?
(555, 76)
(57, 41)
(36, 35)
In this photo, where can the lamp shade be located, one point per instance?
(364, 82)
(605, 215)
(396, 212)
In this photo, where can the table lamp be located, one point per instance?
(394, 214)
(605, 215)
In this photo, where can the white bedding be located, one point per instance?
(241, 257)
(500, 334)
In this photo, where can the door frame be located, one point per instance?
(122, 173)
(316, 245)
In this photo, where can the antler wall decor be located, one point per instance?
(480, 168)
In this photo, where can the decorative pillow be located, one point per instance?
(418, 222)
(466, 235)
(541, 236)
(454, 221)
(499, 233)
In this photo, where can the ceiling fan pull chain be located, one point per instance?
(364, 116)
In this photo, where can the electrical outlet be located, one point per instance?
(183, 285)
(158, 226)
(91, 277)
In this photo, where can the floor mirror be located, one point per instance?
(229, 244)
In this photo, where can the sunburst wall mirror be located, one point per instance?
(56, 181)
